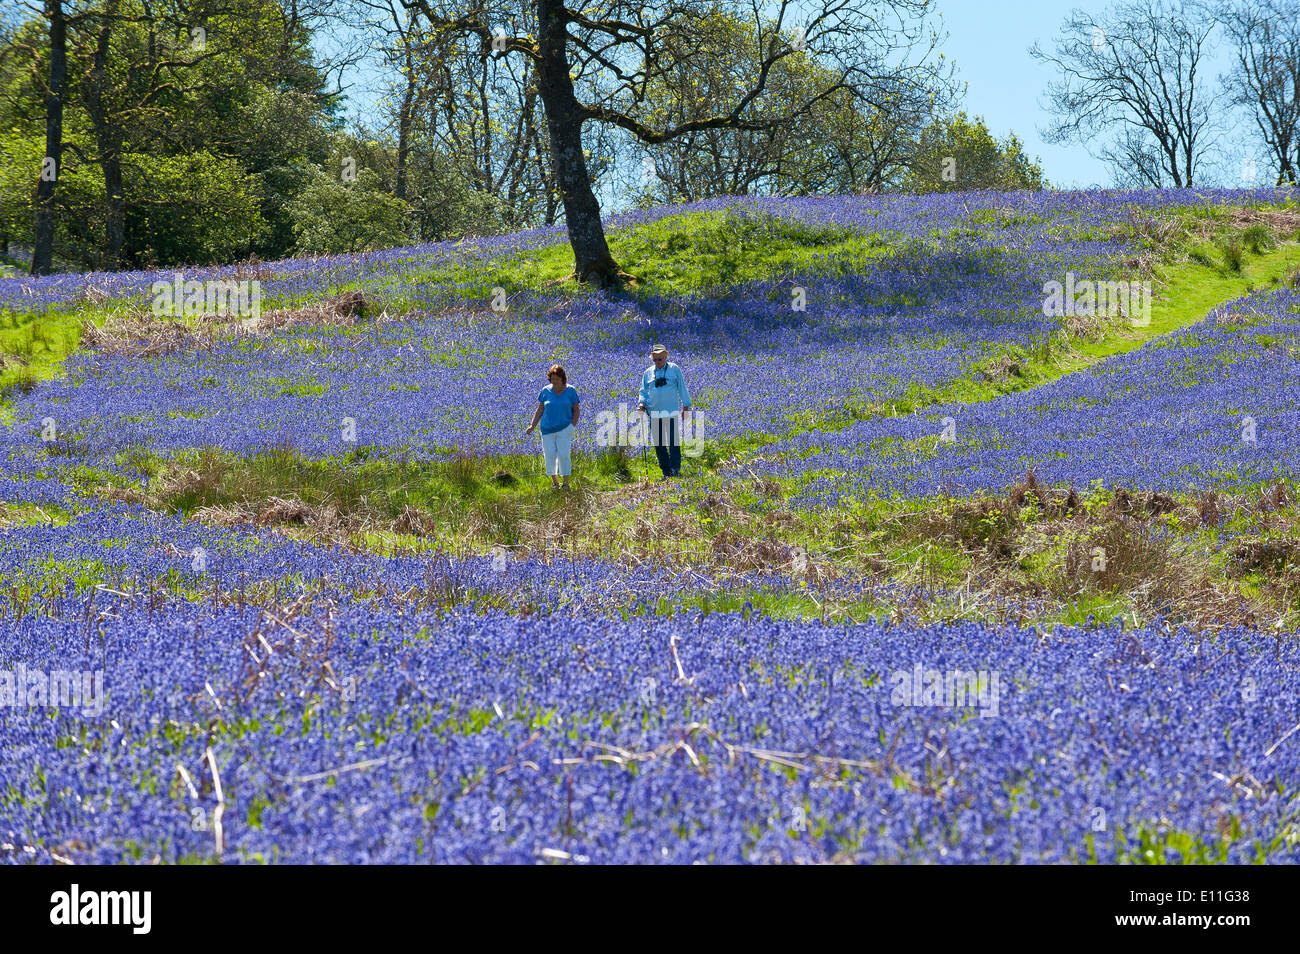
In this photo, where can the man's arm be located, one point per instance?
(684, 394)
(645, 391)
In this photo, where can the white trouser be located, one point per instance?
(555, 449)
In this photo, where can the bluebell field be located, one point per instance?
(1213, 406)
(452, 379)
(380, 736)
(519, 718)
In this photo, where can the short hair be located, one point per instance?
(556, 369)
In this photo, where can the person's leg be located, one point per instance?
(564, 447)
(657, 433)
(549, 456)
(675, 452)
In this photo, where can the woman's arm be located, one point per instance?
(537, 416)
(577, 405)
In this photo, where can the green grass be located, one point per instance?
(34, 345)
(689, 254)
(33, 348)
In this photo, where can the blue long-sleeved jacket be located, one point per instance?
(670, 395)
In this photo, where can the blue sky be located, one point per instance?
(989, 40)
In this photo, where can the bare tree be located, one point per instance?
(310, 33)
(400, 46)
(487, 110)
(481, 114)
(1134, 71)
(1266, 79)
(840, 144)
(595, 64)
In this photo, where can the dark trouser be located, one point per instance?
(664, 437)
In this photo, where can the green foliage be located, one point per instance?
(444, 201)
(207, 135)
(957, 154)
(613, 464)
(278, 134)
(206, 209)
(692, 254)
(445, 204)
(1259, 238)
(1232, 251)
(201, 208)
(20, 166)
(332, 216)
(78, 202)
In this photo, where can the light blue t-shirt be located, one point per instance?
(667, 396)
(557, 411)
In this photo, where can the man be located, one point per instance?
(663, 391)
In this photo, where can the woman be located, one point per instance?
(557, 410)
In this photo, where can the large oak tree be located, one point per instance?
(595, 62)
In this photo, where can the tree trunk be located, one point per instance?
(108, 142)
(115, 210)
(592, 261)
(404, 131)
(43, 242)
(1286, 174)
